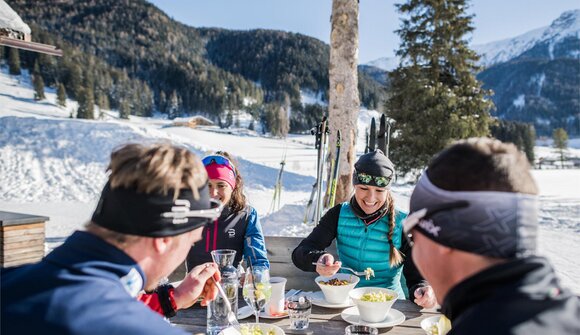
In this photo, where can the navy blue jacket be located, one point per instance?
(85, 286)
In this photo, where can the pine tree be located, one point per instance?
(86, 104)
(61, 95)
(81, 110)
(14, 61)
(124, 109)
(38, 83)
(173, 108)
(75, 81)
(523, 135)
(560, 137)
(162, 105)
(435, 97)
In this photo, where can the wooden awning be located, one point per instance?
(30, 46)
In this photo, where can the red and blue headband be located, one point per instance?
(219, 167)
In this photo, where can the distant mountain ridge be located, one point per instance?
(564, 28)
(535, 76)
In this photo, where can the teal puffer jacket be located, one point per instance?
(360, 247)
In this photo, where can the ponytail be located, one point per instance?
(395, 256)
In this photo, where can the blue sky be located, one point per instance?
(494, 20)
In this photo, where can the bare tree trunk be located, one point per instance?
(343, 105)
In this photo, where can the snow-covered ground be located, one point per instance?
(54, 166)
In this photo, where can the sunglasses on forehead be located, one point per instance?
(367, 179)
(220, 160)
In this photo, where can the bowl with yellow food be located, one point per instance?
(336, 287)
(253, 329)
(436, 325)
(373, 303)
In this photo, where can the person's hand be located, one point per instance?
(197, 284)
(327, 266)
(425, 297)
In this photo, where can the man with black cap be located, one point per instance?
(473, 230)
(153, 207)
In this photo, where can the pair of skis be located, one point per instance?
(321, 133)
(381, 139)
(317, 197)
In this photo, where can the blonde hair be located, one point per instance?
(153, 168)
(395, 256)
(156, 168)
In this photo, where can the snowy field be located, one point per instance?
(54, 166)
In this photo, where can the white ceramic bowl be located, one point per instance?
(337, 294)
(265, 328)
(371, 311)
(427, 323)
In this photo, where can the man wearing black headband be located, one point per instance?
(152, 209)
(473, 228)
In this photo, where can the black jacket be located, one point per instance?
(232, 231)
(519, 297)
(321, 237)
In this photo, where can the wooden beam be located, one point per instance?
(31, 46)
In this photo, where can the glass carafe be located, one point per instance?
(217, 311)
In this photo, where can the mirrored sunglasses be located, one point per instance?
(367, 179)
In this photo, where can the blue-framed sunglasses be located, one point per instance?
(367, 179)
(220, 160)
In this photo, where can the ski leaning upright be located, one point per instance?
(278, 187)
(336, 169)
(320, 132)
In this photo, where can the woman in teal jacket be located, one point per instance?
(369, 234)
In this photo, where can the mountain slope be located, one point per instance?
(539, 82)
(564, 29)
(209, 69)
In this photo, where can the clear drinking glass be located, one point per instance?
(360, 330)
(257, 289)
(299, 308)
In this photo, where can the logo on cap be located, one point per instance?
(430, 227)
(181, 206)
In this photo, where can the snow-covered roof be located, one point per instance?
(9, 19)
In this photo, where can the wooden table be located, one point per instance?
(322, 320)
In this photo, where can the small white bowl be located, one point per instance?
(337, 294)
(427, 323)
(371, 311)
(265, 328)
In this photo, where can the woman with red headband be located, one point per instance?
(238, 227)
